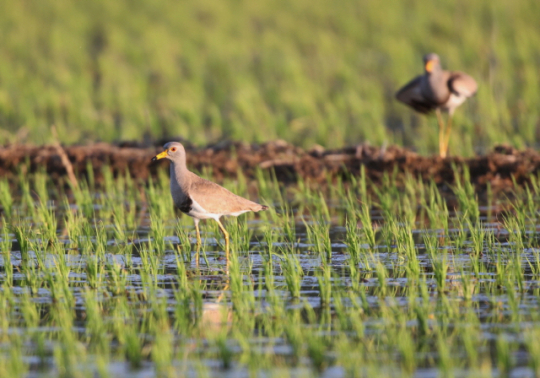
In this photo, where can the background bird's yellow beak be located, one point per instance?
(429, 65)
(160, 156)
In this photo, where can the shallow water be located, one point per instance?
(401, 287)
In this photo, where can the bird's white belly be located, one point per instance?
(197, 211)
(453, 102)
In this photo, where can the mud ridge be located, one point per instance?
(501, 168)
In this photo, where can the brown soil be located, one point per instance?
(501, 167)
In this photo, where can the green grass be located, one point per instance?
(103, 281)
(305, 71)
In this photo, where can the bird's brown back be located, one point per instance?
(216, 199)
(462, 84)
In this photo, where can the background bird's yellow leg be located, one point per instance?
(447, 134)
(442, 151)
(226, 234)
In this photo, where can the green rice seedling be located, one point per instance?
(83, 199)
(354, 272)
(24, 243)
(436, 209)
(445, 361)
(57, 279)
(268, 277)
(240, 234)
(116, 276)
(368, 231)
(49, 224)
(517, 272)
(293, 273)
(325, 281)
(184, 244)
(94, 271)
(69, 354)
(421, 310)
(531, 342)
(382, 276)
(133, 348)
(356, 313)
(95, 327)
(157, 242)
(6, 304)
(160, 205)
(270, 238)
(465, 195)
(468, 280)
(293, 334)
(225, 353)
(514, 301)
(439, 261)
(503, 354)
(5, 247)
(316, 350)
(477, 236)
(353, 240)
(387, 196)
(470, 337)
(6, 200)
(12, 363)
(40, 186)
(516, 235)
(405, 245)
(27, 201)
(30, 311)
(318, 234)
(288, 226)
(150, 266)
(406, 348)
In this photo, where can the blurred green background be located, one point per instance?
(307, 71)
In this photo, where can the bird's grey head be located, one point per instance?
(431, 62)
(174, 151)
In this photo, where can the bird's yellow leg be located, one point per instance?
(196, 221)
(197, 256)
(447, 134)
(442, 151)
(226, 235)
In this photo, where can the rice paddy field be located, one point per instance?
(307, 71)
(400, 280)
(101, 277)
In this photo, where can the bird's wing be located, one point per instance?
(411, 94)
(215, 199)
(462, 84)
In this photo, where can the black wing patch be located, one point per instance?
(409, 96)
(185, 206)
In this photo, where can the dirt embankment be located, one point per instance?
(500, 167)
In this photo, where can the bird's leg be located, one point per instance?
(447, 134)
(196, 221)
(199, 243)
(226, 234)
(442, 151)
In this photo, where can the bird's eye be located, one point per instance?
(173, 149)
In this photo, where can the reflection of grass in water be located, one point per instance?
(307, 71)
(413, 291)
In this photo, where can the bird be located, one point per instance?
(200, 198)
(438, 89)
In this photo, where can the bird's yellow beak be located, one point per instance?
(160, 156)
(429, 65)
